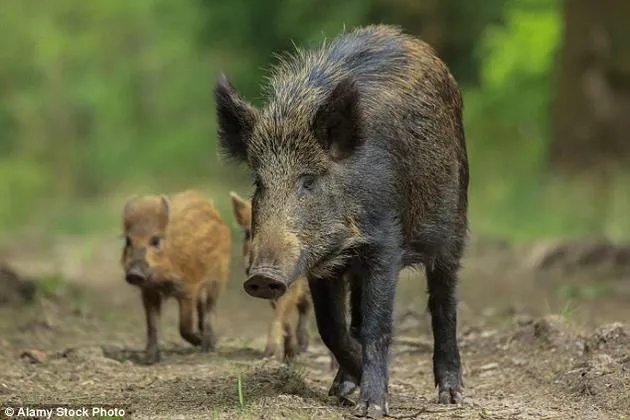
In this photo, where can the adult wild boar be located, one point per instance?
(360, 169)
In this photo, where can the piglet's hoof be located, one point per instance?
(151, 357)
(274, 352)
(207, 345)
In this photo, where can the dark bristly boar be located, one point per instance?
(176, 247)
(360, 169)
(286, 337)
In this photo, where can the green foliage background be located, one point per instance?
(105, 99)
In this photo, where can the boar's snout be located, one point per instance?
(276, 262)
(136, 275)
(265, 283)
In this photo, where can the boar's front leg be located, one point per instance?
(187, 306)
(329, 304)
(152, 302)
(344, 384)
(381, 268)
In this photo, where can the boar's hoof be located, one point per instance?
(371, 410)
(343, 385)
(450, 395)
(265, 284)
(342, 389)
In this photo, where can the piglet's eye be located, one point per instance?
(127, 241)
(155, 241)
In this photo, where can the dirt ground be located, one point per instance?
(544, 333)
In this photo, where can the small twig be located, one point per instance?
(410, 416)
(443, 410)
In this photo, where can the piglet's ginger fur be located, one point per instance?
(177, 247)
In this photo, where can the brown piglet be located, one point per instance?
(288, 333)
(176, 247)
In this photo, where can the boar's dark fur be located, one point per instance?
(360, 169)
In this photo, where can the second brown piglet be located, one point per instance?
(176, 247)
(287, 336)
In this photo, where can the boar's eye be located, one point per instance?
(258, 182)
(155, 241)
(306, 183)
(127, 241)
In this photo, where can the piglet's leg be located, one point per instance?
(187, 306)
(205, 317)
(152, 303)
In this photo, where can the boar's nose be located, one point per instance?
(135, 276)
(265, 283)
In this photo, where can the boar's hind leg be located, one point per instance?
(205, 317)
(344, 384)
(377, 305)
(442, 281)
(329, 304)
(152, 303)
(187, 305)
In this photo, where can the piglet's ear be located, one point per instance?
(242, 210)
(337, 121)
(129, 205)
(235, 119)
(127, 211)
(165, 211)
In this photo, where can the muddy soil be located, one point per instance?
(542, 336)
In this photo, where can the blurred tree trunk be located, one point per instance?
(592, 105)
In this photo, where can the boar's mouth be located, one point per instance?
(270, 282)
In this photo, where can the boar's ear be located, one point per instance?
(242, 210)
(336, 122)
(164, 214)
(235, 119)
